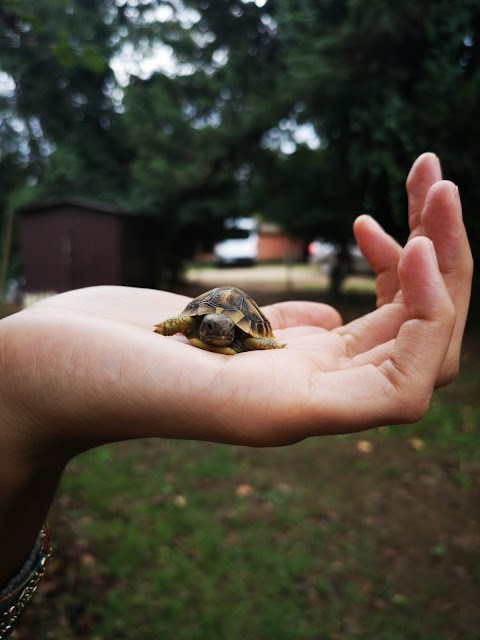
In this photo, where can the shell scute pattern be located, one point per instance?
(237, 305)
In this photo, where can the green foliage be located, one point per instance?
(57, 54)
(205, 138)
(382, 82)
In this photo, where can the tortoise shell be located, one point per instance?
(235, 304)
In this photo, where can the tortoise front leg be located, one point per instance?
(226, 351)
(178, 324)
(251, 344)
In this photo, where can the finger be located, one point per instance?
(400, 388)
(380, 249)
(283, 315)
(442, 223)
(425, 172)
(382, 253)
(374, 329)
(423, 341)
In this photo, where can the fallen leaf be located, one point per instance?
(87, 559)
(364, 446)
(180, 501)
(417, 444)
(243, 490)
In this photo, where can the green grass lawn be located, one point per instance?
(372, 536)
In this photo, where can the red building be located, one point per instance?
(276, 245)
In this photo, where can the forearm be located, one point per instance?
(23, 509)
(27, 486)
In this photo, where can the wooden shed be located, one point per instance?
(72, 243)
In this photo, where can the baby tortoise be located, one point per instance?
(224, 320)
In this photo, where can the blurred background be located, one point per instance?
(127, 124)
(150, 143)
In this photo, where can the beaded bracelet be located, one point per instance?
(18, 593)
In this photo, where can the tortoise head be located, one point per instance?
(217, 329)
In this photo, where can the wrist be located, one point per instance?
(15, 597)
(24, 508)
(28, 481)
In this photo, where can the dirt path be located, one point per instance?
(270, 283)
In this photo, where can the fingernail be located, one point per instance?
(434, 253)
(456, 193)
(438, 162)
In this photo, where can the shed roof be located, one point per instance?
(74, 202)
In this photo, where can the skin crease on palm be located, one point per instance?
(85, 367)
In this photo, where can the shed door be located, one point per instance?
(92, 249)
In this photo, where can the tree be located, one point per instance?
(195, 133)
(176, 147)
(381, 82)
(216, 132)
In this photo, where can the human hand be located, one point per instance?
(434, 211)
(89, 369)
(85, 367)
(109, 377)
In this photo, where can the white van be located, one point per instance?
(240, 245)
